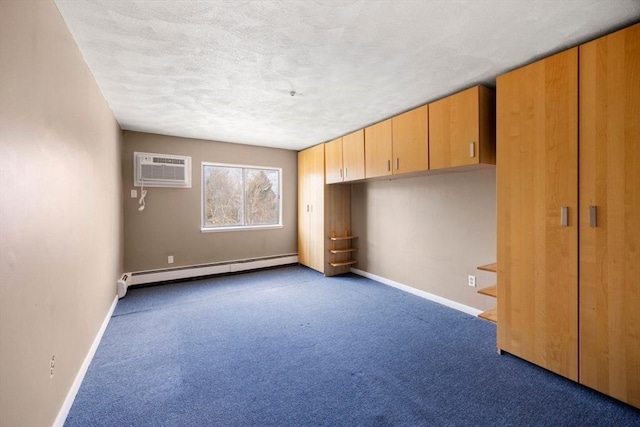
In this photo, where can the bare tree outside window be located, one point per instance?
(240, 197)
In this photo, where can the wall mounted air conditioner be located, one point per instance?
(161, 170)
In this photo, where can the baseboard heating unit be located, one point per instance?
(188, 272)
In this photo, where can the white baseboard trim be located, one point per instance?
(71, 396)
(187, 272)
(423, 294)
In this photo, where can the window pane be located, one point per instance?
(262, 198)
(223, 196)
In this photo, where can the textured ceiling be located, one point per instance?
(224, 70)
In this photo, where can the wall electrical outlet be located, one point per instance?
(170, 259)
(52, 366)
(472, 281)
(134, 194)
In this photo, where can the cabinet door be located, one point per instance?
(462, 129)
(410, 141)
(303, 207)
(317, 207)
(610, 215)
(353, 156)
(377, 149)
(537, 182)
(333, 158)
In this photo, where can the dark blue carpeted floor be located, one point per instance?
(289, 347)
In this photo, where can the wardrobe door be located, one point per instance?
(610, 215)
(303, 207)
(317, 208)
(537, 200)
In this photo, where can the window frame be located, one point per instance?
(244, 227)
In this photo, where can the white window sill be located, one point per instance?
(241, 228)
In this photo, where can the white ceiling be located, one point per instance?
(223, 70)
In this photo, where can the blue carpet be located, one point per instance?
(289, 347)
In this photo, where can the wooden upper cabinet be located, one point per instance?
(462, 129)
(410, 133)
(378, 149)
(333, 161)
(610, 214)
(344, 158)
(353, 156)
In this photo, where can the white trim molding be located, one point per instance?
(423, 294)
(77, 382)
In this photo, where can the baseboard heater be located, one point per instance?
(187, 272)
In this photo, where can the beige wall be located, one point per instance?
(429, 232)
(61, 211)
(170, 224)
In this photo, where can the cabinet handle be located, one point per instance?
(397, 163)
(311, 206)
(346, 172)
(388, 165)
(593, 218)
(564, 216)
(472, 149)
(307, 208)
(340, 172)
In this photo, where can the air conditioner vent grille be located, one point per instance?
(162, 170)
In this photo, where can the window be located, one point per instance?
(240, 197)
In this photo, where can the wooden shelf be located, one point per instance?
(342, 251)
(490, 315)
(342, 263)
(489, 267)
(343, 238)
(491, 291)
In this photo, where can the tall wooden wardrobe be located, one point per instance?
(568, 196)
(324, 211)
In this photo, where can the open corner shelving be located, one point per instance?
(342, 249)
(492, 291)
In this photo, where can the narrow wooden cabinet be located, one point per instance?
(311, 207)
(462, 129)
(345, 158)
(610, 215)
(323, 211)
(378, 149)
(410, 137)
(537, 201)
(333, 163)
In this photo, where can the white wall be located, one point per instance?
(61, 211)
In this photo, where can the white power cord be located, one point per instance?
(143, 194)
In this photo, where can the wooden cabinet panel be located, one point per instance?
(537, 176)
(311, 207)
(303, 207)
(462, 129)
(610, 247)
(317, 208)
(353, 156)
(378, 149)
(410, 132)
(333, 159)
